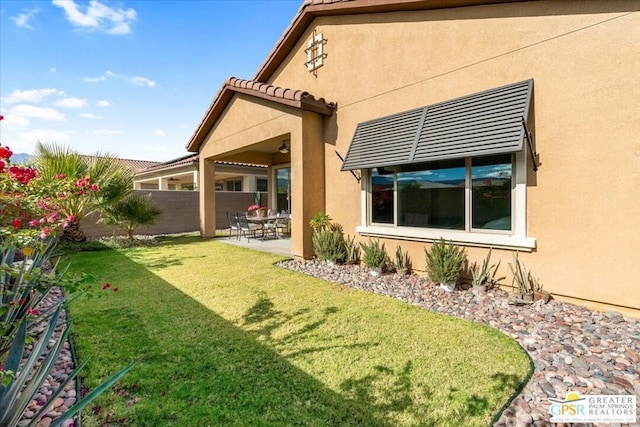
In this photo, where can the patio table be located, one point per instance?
(267, 222)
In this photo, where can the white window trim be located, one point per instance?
(517, 239)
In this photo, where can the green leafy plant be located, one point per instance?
(374, 254)
(402, 259)
(329, 244)
(100, 181)
(320, 221)
(523, 280)
(352, 250)
(485, 274)
(132, 212)
(445, 262)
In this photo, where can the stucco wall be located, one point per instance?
(582, 204)
(181, 213)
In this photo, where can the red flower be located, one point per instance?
(17, 223)
(5, 152)
(94, 187)
(2, 165)
(22, 174)
(106, 286)
(33, 312)
(116, 289)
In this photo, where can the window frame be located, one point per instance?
(516, 238)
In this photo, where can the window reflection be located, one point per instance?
(491, 192)
(432, 195)
(382, 195)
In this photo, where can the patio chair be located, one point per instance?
(245, 228)
(282, 224)
(269, 227)
(233, 224)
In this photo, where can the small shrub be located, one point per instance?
(352, 250)
(445, 262)
(523, 280)
(132, 212)
(485, 275)
(402, 259)
(374, 254)
(329, 244)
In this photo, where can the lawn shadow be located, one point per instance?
(266, 320)
(215, 373)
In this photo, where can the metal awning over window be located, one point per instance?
(485, 123)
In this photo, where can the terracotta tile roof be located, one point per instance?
(291, 97)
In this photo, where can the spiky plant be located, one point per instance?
(132, 212)
(445, 262)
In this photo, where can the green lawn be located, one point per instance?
(220, 336)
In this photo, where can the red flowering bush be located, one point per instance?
(31, 213)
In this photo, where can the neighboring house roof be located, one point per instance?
(309, 10)
(188, 160)
(133, 165)
(290, 97)
(137, 165)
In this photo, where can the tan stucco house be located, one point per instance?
(511, 125)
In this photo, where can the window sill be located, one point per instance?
(461, 238)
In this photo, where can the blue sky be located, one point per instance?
(129, 77)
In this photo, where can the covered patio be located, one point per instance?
(286, 134)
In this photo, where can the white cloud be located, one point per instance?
(142, 81)
(89, 116)
(44, 135)
(22, 19)
(107, 132)
(71, 102)
(98, 16)
(45, 113)
(103, 103)
(13, 121)
(137, 80)
(53, 70)
(31, 95)
(94, 79)
(159, 132)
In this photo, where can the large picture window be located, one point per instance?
(473, 194)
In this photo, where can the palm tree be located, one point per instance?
(131, 212)
(113, 181)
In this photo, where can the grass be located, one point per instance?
(220, 336)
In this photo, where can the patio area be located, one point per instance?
(280, 246)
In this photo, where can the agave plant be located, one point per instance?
(29, 346)
(20, 382)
